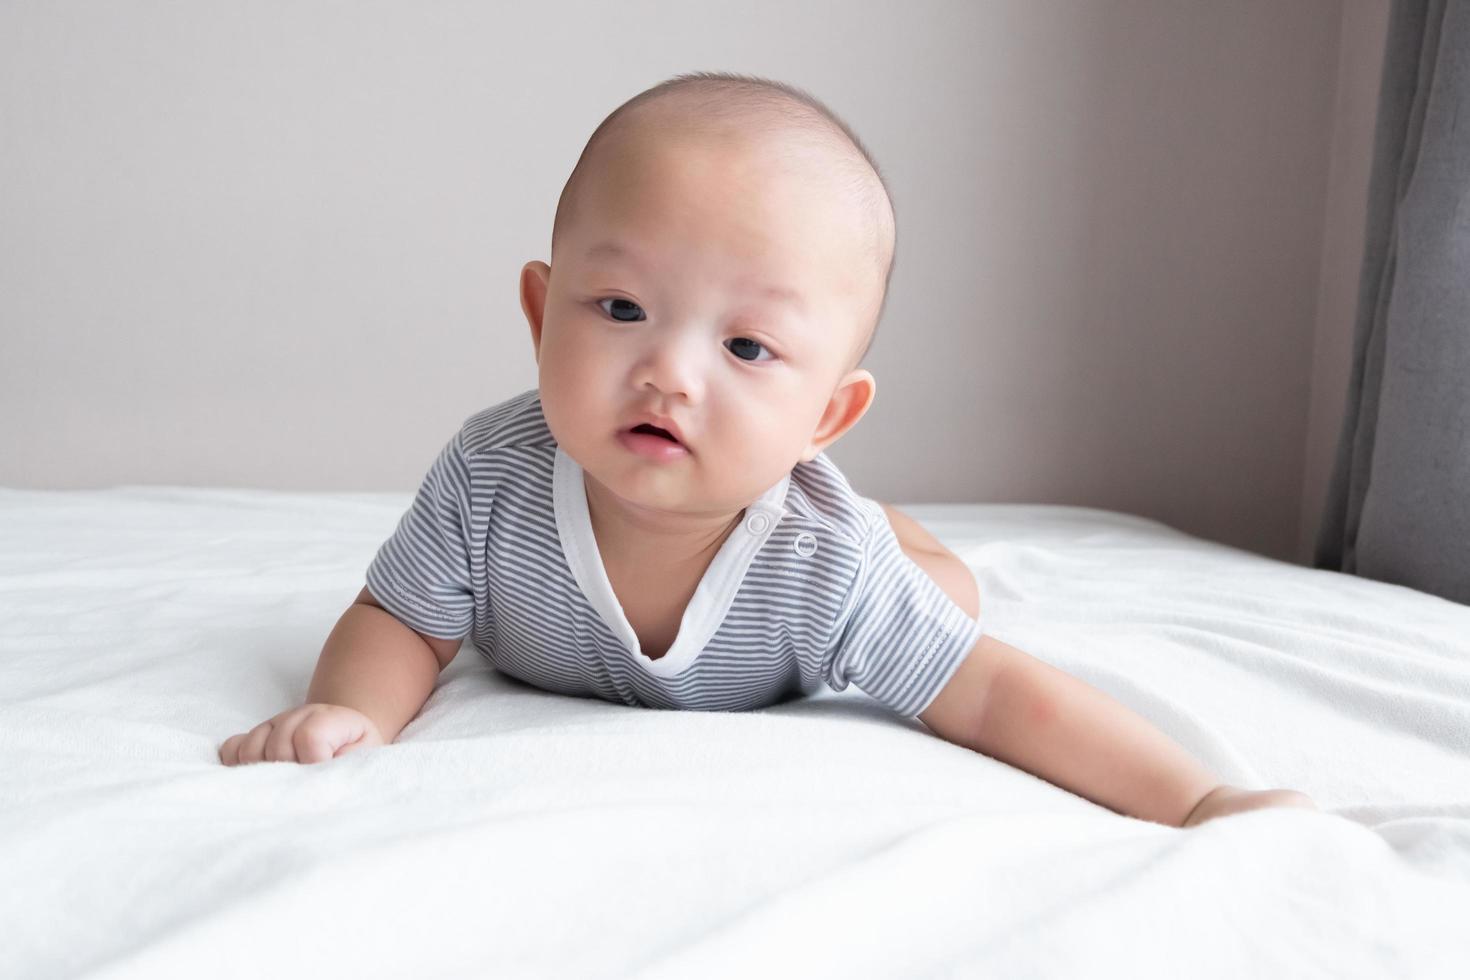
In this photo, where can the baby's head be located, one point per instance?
(720, 258)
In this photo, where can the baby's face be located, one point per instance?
(715, 286)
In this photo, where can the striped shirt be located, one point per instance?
(811, 588)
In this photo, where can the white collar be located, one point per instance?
(711, 599)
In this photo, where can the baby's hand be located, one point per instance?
(1225, 800)
(310, 733)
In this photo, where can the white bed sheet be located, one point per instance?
(513, 832)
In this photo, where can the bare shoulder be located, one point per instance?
(910, 533)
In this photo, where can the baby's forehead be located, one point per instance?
(792, 201)
(809, 152)
(659, 184)
(787, 266)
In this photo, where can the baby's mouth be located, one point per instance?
(654, 430)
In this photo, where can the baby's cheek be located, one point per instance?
(571, 374)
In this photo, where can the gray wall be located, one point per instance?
(276, 244)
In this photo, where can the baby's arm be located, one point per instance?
(378, 669)
(376, 664)
(1015, 708)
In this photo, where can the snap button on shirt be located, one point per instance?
(806, 544)
(757, 523)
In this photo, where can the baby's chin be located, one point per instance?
(677, 495)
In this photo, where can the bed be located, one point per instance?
(513, 832)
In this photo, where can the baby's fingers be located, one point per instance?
(309, 733)
(1289, 797)
(253, 748)
(229, 752)
(281, 744)
(315, 742)
(237, 750)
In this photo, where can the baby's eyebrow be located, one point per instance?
(617, 250)
(783, 295)
(611, 250)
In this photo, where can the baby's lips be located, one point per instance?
(666, 425)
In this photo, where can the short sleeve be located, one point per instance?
(421, 574)
(899, 637)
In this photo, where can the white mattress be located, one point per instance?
(512, 832)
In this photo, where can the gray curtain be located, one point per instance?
(1398, 509)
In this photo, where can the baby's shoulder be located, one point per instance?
(515, 423)
(821, 497)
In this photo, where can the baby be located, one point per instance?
(657, 524)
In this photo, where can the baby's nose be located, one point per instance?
(676, 366)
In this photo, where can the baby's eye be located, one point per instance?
(626, 304)
(741, 346)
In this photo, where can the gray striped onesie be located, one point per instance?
(812, 588)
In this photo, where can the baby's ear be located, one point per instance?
(535, 280)
(848, 404)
